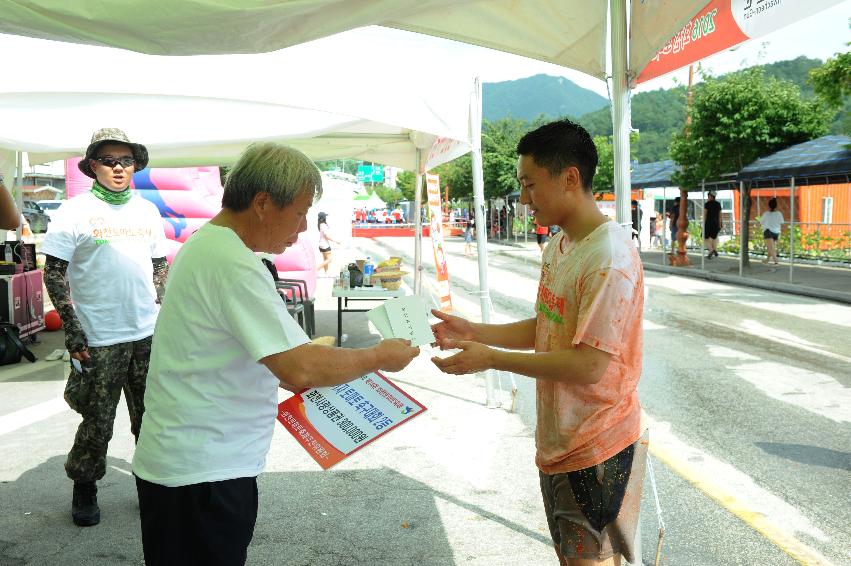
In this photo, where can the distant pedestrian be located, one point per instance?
(325, 240)
(659, 230)
(673, 215)
(542, 235)
(468, 238)
(771, 223)
(711, 225)
(636, 221)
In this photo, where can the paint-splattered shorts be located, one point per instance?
(593, 512)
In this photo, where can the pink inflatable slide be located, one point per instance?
(187, 197)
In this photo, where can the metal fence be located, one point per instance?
(811, 241)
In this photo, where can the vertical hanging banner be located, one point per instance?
(722, 24)
(436, 232)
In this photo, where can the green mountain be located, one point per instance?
(531, 97)
(656, 114)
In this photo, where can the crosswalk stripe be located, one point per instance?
(25, 417)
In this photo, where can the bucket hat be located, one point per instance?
(112, 135)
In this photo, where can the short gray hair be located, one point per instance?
(272, 168)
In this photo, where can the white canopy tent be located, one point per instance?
(369, 202)
(166, 103)
(571, 33)
(191, 110)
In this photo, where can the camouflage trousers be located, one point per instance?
(94, 393)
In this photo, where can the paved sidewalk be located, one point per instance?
(830, 282)
(456, 485)
(819, 281)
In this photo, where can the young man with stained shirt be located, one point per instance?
(105, 272)
(587, 340)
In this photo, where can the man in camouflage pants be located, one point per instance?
(105, 270)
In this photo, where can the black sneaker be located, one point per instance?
(84, 505)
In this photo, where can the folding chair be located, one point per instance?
(291, 294)
(306, 301)
(295, 294)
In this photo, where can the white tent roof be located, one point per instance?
(369, 202)
(205, 110)
(571, 33)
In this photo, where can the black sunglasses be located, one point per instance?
(111, 162)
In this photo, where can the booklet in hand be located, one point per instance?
(403, 317)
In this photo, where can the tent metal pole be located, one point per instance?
(481, 225)
(791, 228)
(19, 193)
(620, 136)
(664, 223)
(620, 112)
(703, 225)
(418, 224)
(744, 226)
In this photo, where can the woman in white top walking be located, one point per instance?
(324, 242)
(771, 222)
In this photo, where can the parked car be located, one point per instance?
(36, 216)
(50, 206)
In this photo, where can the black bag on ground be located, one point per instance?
(11, 347)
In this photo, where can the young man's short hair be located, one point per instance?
(559, 145)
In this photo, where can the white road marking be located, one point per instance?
(783, 337)
(722, 352)
(759, 329)
(121, 470)
(820, 312)
(686, 285)
(801, 307)
(649, 325)
(30, 415)
(815, 392)
(725, 483)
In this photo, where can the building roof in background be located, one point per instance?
(822, 160)
(655, 174)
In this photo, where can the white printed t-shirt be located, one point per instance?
(591, 292)
(210, 405)
(772, 220)
(109, 250)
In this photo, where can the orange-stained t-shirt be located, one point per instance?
(591, 292)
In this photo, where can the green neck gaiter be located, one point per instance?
(111, 197)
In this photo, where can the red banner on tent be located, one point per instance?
(721, 24)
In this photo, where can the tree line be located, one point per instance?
(734, 119)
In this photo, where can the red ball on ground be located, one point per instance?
(52, 321)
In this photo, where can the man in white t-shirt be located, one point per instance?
(105, 269)
(223, 345)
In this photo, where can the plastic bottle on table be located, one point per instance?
(368, 270)
(344, 278)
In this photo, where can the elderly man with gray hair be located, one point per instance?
(223, 344)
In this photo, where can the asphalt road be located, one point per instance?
(748, 393)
